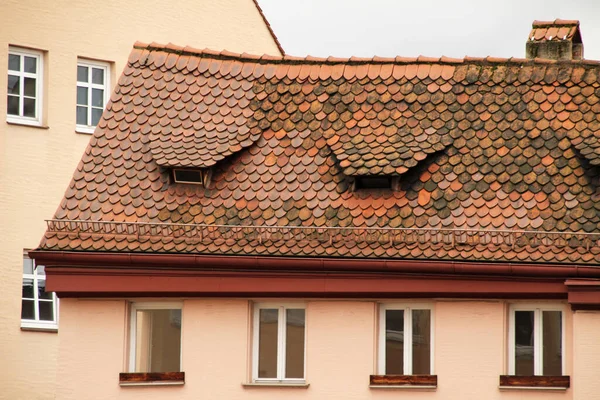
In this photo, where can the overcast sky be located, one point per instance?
(453, 28)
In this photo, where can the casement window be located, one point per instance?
(24, 93)
(39, 309)
(279, 343)
(92, 93)
(405, 340)
(155, 337)
(536, 340)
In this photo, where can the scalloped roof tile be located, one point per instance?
(489, 144)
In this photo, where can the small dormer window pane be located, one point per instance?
(188, 176)
(374, 182)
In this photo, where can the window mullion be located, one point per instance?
(36, 305)
(408, 367)
(281, 345)
(21, 91)
(537, 344)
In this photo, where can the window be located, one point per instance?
(405, 340)
(25, 71)
(155, 337)
(279, 337)
(92, 94)
(536, 340)
(39, 309)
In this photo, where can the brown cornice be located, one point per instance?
(280, 264)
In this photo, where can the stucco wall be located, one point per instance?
(469, 345)
(36, 164)
(586, 355)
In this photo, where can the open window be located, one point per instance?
(154, 344)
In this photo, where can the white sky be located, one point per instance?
(453, 28)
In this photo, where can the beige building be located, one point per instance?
(61, 60)
(243, 227)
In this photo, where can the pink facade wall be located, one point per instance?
(341, 352)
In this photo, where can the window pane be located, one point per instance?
(82, 95)
(29, 107)
(13, 84)
(14, 62)
(27, 309)
(158, 340)
(421, 342)
(81, 115)
(82, 74)
(27, 266)
(96, 114)
(394, 342)
(27, 288)
(552, 332)
(294, 351)
(29, 87)
(30, 64)
(524, 343)
(98, 76)
(41, 270)
(98, 98)
(46, 311)
(42, 294)
(267, 343)
(12, 106)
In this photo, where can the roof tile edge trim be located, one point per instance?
(512, 238)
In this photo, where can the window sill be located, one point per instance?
(511, 382)
(297, 385)
(39, 327)
(403, 382)
(23, 122)
(151, 378)
(86, 130)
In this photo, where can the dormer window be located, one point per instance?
(381, 182)
(193, 176)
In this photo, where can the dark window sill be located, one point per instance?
(535, 382)
(151, 378)
(403, 381)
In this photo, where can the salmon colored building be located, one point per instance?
(277, 227)
(59, 63)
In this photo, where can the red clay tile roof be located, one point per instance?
(559, 29)
(497, 159)
(266, 21)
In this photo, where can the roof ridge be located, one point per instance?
(266, 58)
(264, 17)
(557, 22)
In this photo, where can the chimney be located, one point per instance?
(555, 40)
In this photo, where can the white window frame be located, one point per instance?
(281, 342)
(407, 308)
(538, 339)
(89, 85)
(39, 81)
(36, 323)
(146, 305)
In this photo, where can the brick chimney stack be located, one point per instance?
(555, 40)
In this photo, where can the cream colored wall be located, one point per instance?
(469, 340)
(36, 164)
(586, 355)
